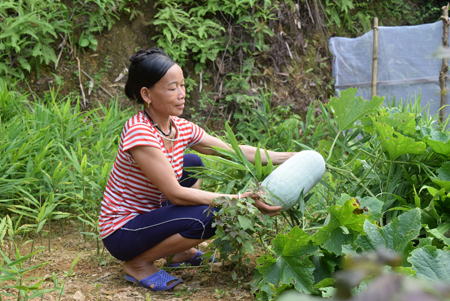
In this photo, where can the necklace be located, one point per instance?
(156, 125)
(164, 136)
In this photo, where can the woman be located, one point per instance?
(134, 224)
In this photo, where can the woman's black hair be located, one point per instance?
(147, 67)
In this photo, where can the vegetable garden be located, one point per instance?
(377, 223)
(386, 186)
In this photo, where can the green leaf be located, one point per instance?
(258, 164)
(325, 265)
(333, 236)
(439, 232)
(400, 121)
(431, 264)
(444, 172)
(325, 283)
(395, 143)
(443, 179)
(83, 42)
(48, 54)
(348, 107)
(24, 64)
(290, 263)
(238, 151)
(395, 236)
(375, 206)
(406, 271)
(439, 142)
(245, 222)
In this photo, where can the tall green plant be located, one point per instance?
(51, 156)
(275, 128)
(13, 270)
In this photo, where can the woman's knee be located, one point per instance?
(188, 178)
(201, 223)
(192, 160)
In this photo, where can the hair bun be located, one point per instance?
(142, 54)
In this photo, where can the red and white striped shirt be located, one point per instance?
(129, 192)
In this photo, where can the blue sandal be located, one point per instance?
(159, 279)
(196, 260)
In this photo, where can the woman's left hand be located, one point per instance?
(280, 157)
(263, 207)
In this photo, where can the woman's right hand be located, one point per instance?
(262, 206)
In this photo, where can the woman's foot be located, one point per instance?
(183, 256)
(159, 281)
(139, 271)
(149, 276)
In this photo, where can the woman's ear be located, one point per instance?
(145, 94)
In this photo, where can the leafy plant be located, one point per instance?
(379, 273)
(102, 14)
(87, 39)
(48, 165)
(12, 270)
(28, 29)
(240, 227)
(129, 6)
(274, 128)
(183, 32)
(376, 195)
(347, 14)
(194, 27)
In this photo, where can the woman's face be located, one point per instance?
(167, 95)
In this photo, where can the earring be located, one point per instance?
(147, 105)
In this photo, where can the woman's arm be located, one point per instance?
(277, 157)
(150, 159)
(157, 169)
(205, 147)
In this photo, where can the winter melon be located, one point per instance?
(299, 173)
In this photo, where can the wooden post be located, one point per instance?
(444, 67)
(375, 58)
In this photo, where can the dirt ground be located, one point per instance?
(97, 277)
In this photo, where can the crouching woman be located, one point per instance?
(137, 223)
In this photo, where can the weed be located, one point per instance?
(184, 292)
(221, 293)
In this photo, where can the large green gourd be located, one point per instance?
(299, 173)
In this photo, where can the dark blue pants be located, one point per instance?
(149, 229)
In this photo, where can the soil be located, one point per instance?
(97, 277)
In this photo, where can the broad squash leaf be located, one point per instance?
(289, 264)
(395, 236)
(374, 205)
(439, 142)
(345, 223)
(431, 264)
(443, 179)
(348, 107)
(325, 264)
(401, 121)
(395, 143)
(439, 232)
(370, 204)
